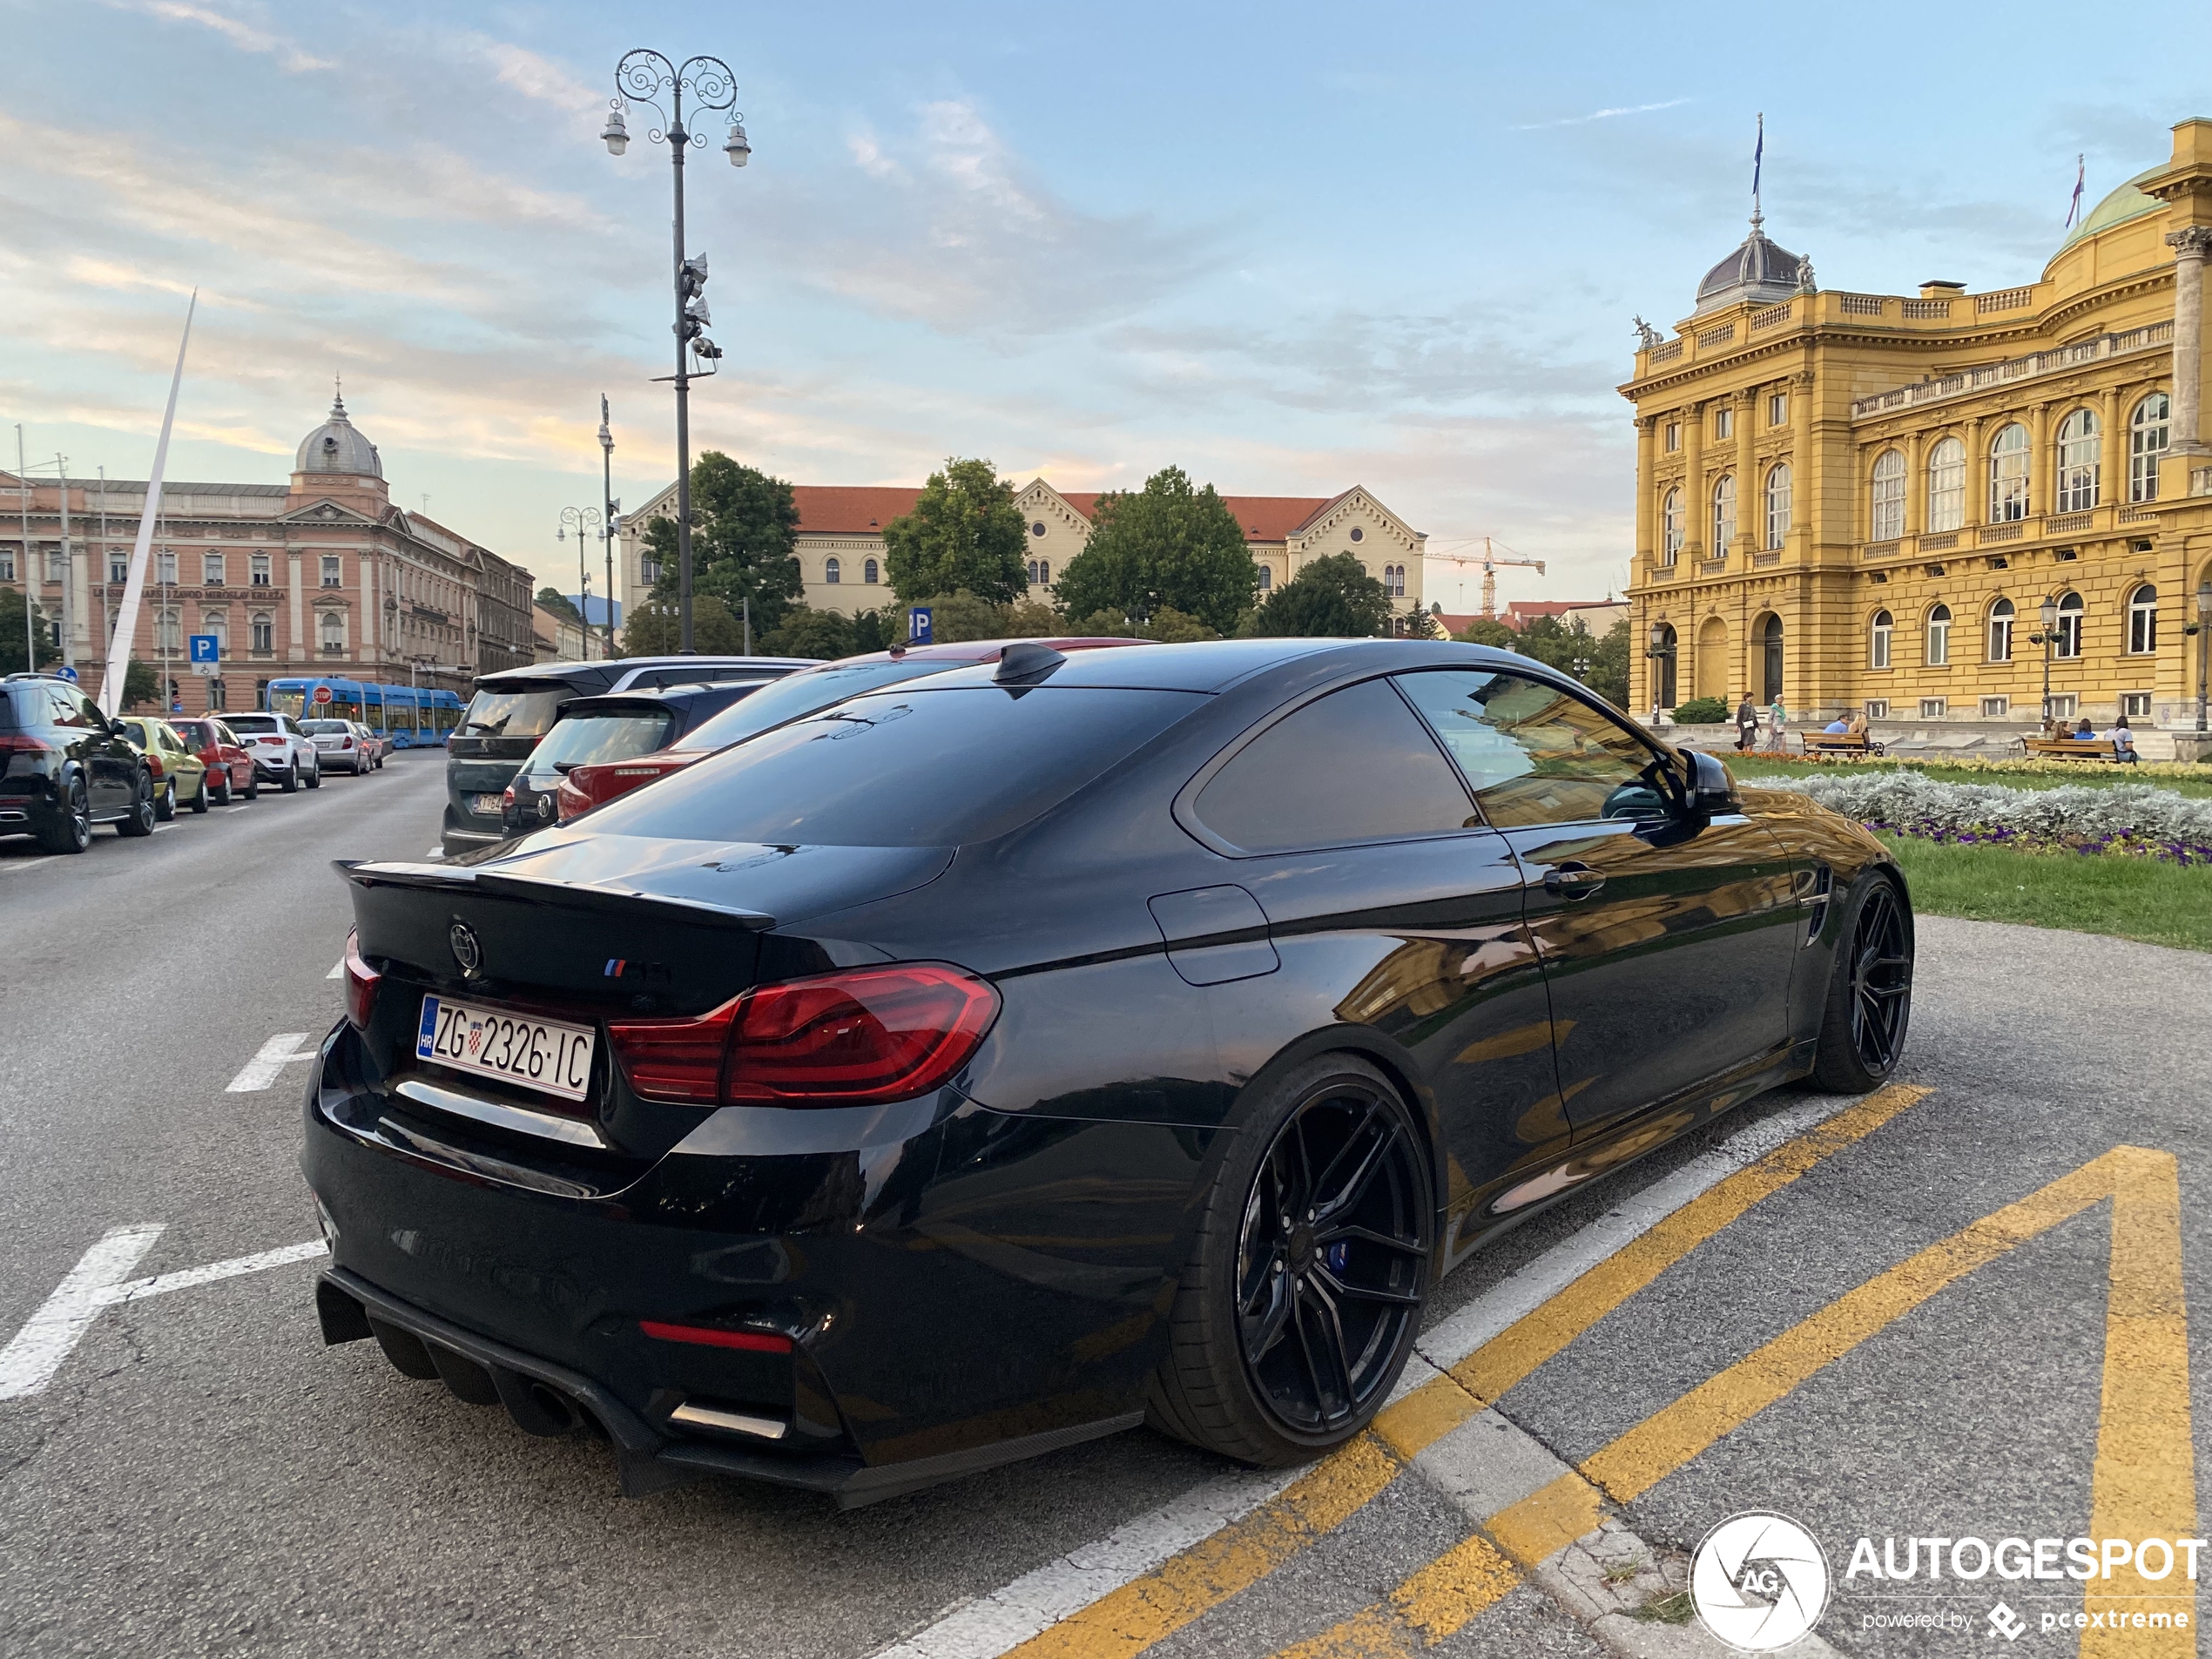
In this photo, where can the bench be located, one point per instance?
(2071, 749)
(1839, 742)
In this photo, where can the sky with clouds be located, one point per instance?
(1289, 247)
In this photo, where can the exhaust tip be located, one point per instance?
(721, 1421)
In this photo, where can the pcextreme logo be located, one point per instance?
(1759, 1581)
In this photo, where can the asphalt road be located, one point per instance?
(201, 1476)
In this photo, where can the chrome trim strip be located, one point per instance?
(765, 1428)
(499, 1115)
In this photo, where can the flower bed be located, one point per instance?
(2132, 819)
(2193, 771)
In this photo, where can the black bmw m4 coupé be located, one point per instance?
(1022, 1053)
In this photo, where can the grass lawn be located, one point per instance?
(2145, 899)
(2092, 777)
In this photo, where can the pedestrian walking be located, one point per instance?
(1777, 718)
(1747, 725)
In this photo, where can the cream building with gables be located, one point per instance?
(840, 544)
(1873, 500)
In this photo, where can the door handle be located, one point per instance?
(1573, 881)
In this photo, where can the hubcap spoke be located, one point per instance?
(1363, 1293)
(1369, 1235)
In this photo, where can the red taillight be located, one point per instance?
(362, 981)
(507, 799)
(845, 1039)
(346, 743)
(596, 784)
(708, 1336)
(153, 763)
(23, 743)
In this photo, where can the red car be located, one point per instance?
(789, 698)
(230, 769)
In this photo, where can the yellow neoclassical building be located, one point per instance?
(1874, 501)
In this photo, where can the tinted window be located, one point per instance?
(582, 739)
(515, 713)
(191, 733)
(803, 694)
(68, 708)
(250, 723)
(1355, 766)
(9, 719)
(902, 769)
(1534, 754)
(325, 728)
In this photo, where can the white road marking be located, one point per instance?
(1009, 1616)
(29, 1361)
(274, 1055)
(158, 828)
(240, 807)
(138, 1289)
(25, 864)
(339, 972)
(435, 852)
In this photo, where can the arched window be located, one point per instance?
(868, 573)
(2069, 641)
(1939, 638)
(1889, 497)
(1671, 520)
(2000, 631)
(2142, 620)
(166, 634)
(2079, 435)
(217, 623)
(1878, 640)
(833, 572)
(1948, 486)
(2149, 431)
(1266, 577)
(1771, 660)
(2008, 459)
(334, 630)
(1778, 506)
(1723, 516)
(1663, 668)
(1394, 581)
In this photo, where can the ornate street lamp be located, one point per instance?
(2203, 632)
(612, 525)
(644, 77)
(584, 521)
(1659, 652)
(2047, 612)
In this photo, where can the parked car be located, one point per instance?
(801, 693)
(1017, 1054)
(603, 733)
(67, 766)
(230, 769)
(282, 752)
(338, 745)
(377, 746)
(180, 775)
(511, 712)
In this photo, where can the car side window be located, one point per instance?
(68, 708)
(1536, 753)
(1355, 766)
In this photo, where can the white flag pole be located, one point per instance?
(126, 621)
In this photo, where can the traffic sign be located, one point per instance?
(67, 673)
(918, 626)
(205, 648)
(322, 695)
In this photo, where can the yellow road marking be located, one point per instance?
(1548, 1520)
(1126, 1621)
(1433, 1604)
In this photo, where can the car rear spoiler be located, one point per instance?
(566, 895)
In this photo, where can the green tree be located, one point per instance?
(955, 616)
(140, 684)
(745, 527)
(807, 632)
(656, 630)
(1483, 630)
(1027, 618)
(962, 536)
(1165, 546)
(873, 630)
(11, 635)
(1608, 675)
(560, 604)
(1331, 598)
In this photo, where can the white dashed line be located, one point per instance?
(138, 1289)
(1007, 1617)
(338, 972)
(29, 1361)
(25, 864)
(261, 1070)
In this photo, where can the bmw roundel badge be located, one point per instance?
(466, 951)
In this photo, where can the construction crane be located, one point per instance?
(1489, 559)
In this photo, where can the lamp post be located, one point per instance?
(643, 75)
(1660, 653)
(612, 525)
(583, 521)
(2047, 612)
(2204, 632)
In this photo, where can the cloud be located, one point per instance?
(240, 33)
(536, 76)
(1601, 115)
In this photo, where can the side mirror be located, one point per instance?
(1711, 792)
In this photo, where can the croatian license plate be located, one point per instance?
(543, 1054)
(487, 805)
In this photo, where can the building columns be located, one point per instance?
(1806, 495)
(1644, 544)
(1697, 507)
(1750, 499)
(297, 651)
(2190, 244)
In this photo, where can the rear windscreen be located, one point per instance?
(902, 769)
(325, 728)
(802, 694)
(263, 722)
(584, 739)
(514, 712)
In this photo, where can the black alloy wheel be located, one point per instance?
(74, 833)
(1331, 1256)
(140, 820)
(1881, 980)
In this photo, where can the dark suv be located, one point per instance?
(512, 711)
(603, 731)
(67, 766)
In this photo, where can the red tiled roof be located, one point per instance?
(1265, 518)
(850, 510)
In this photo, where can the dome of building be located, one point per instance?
(1759, 271)
(2124, 204)
(338, 446)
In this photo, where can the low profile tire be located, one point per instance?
(164, 800)
(140, 822)
(291, 784)
(74, 833)
(1302, 1294)
(199, 795)
(1870, 991)
(253, 786)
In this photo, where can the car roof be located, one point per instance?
(979, 651)
(1216, 664)
(519, 678)
(669, 697)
